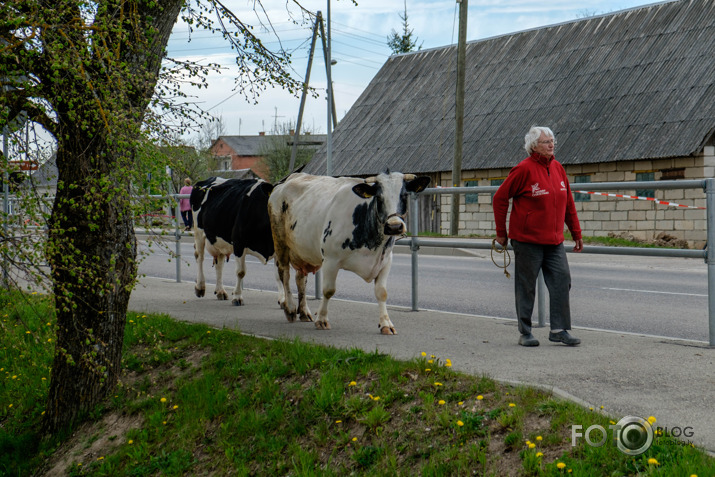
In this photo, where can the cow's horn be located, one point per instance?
(410, 177)
(370, 180)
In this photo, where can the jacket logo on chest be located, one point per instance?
(537, 191)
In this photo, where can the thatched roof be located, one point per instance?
(635, 84)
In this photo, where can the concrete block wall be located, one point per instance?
(602, 215)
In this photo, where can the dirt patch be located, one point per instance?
(92, 441)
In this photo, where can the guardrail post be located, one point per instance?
(710, 257)
(414, 231)
(177, 236)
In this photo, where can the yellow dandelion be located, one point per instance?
(539, 438)
(10, 406)
(480, 397)
(460, 423)
(376, 398)
(651, 420)
(424, 354)
(131, 321)
(448, 363)
(44, 379)
(560, 465)
(532, 445)
(590, 408)
(460, 403)
(441, 402)
(539, 454)
(430, 361)
(613, 423)
(143, 316)
(352, 383)
(162, 399)
(164, 422)
(176, 407)
(49, 340)
(208, 332)
(693, 475)
(14, 377)
(437, 384)
(652, 461)
(100, 458)
(27, 332)
(528, 442)
(354, 439)
(511, 404)
(601, 407)
(427, 370)
(130, 442)
(338, 421)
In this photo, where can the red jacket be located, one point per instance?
(542, 203)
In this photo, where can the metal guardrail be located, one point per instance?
(415, 242)
(707, 185)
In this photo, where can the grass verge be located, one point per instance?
(199, 401)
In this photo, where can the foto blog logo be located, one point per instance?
(633, 435)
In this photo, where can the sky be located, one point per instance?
(359, 35)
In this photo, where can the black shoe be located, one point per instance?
(528, 340)
(564, 337)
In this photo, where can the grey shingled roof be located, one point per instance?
(254, 145)
(639, 83)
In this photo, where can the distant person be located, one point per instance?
(541, 204)
(185, 206)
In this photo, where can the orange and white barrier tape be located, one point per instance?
(635, 197)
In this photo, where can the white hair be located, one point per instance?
(532, 137)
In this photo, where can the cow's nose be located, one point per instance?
(395, 226)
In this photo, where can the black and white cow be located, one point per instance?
(230, 217)
(338, 223)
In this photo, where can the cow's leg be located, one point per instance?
(386, 326)
(281, 290)
(199, 246)
(330, 275)
(304, 313)
(287, 304)
(240, 273)
(219, 260)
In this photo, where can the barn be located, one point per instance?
(630, 96)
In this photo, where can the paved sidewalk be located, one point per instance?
(629, 375)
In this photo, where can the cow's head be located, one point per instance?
(389, 191)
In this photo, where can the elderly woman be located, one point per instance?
(541, 204)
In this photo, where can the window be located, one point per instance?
(581, 180)
(496, 182)
(471, 198)
(645, 176)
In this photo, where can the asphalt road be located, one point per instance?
(653, 296)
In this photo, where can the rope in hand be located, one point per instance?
(505, 253)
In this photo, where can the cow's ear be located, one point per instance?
(365, 190)
(418, 185)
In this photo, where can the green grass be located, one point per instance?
(200, 401)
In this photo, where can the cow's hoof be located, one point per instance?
(305, 317)
(322, 325)
(222, 295)
(237, 302)
(388, 330)
(200, 292)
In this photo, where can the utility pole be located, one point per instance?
(459, 115)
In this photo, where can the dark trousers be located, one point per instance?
(188, 219)
(529, 258)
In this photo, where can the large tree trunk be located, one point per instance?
(92, 252)
(101, 98)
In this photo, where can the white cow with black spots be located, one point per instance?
(338, 223)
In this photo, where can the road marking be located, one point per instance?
(654, 291)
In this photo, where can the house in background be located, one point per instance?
(629, 95)
(246, 152)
